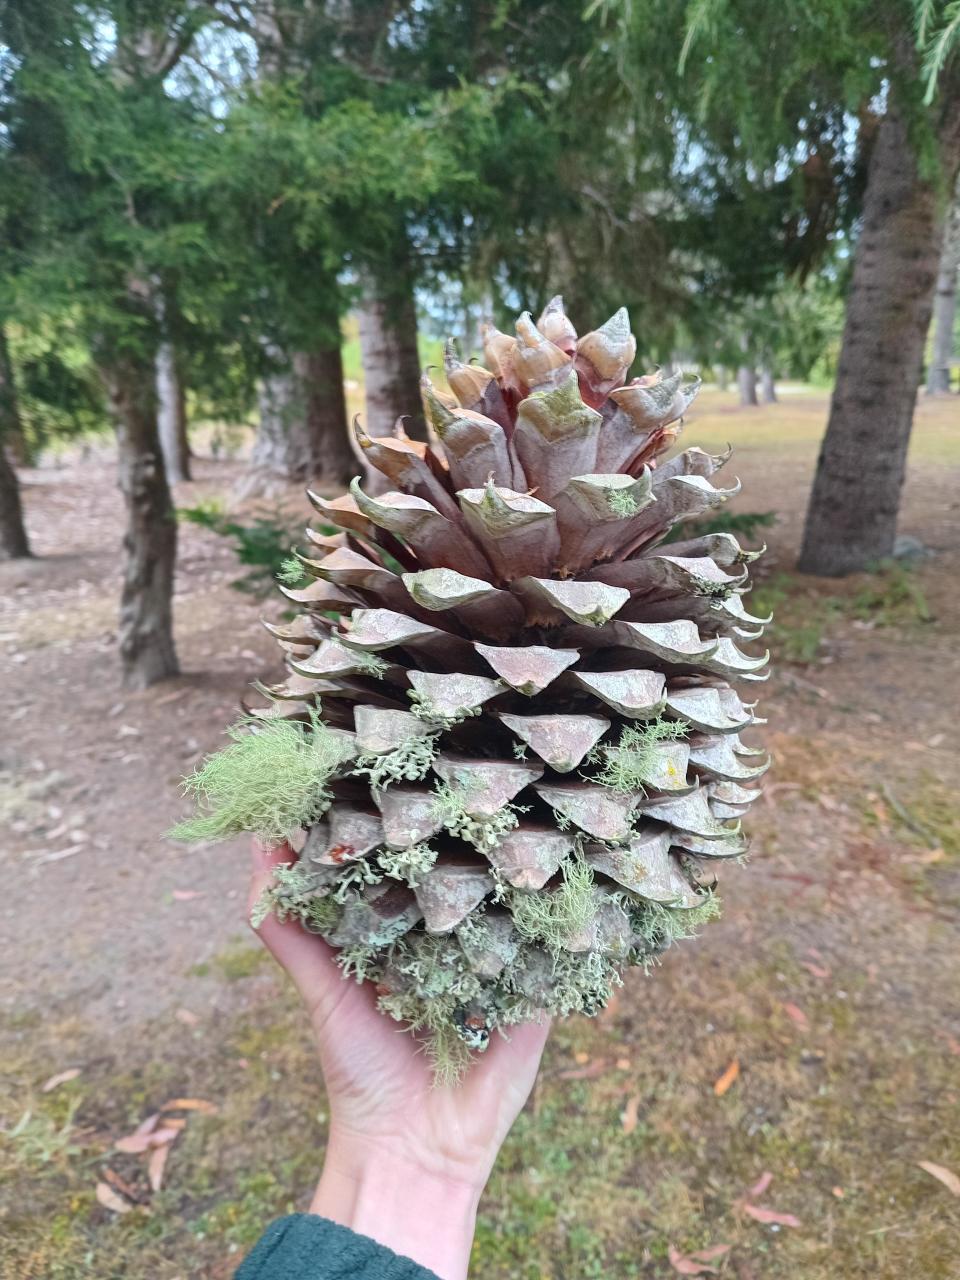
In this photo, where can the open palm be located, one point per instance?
(378, 1078)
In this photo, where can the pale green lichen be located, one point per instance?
(300, 893)
(551, 917)
(370, 664)
(408, 865)
(410, 762)
(426, 709)
(270, 780)
(628, 766)
(661, 926)
(482, 832)
(621, 502)
(291, 572)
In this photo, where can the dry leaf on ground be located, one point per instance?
(186, 895)
(724, 1082)
(946, 1176)
(191, 1104)
(770, 1216)
(136, 1143)
(589, 1072)
(796, 1014)
(155, 1167)
(760, 1186)
(62, 1077)
(111, 1199)
(697, 1263)
(187, 1017)
(628, 1119)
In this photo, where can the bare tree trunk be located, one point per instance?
(147, 651)
(747, 383)
(14, 544)
(172, 415)
(334, 463)
(852, 517)
(302, 437)
(945, 305)
(768, 390)
(391, 362)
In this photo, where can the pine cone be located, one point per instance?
(518, 701)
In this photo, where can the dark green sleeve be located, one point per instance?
(305, 1247)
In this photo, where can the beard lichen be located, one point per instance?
(552, 917)
(628, 766)
(271, 779)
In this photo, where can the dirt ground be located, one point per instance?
(813, 1034)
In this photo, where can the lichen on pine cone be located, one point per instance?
(509, 732)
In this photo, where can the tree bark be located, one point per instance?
(945, 305)
(747, 383)
(172, 415)
(302, 437)
(768, 390)
(14, 543)
(391, 361)
(852, 517)
(147, 650)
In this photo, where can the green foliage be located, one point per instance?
(745, 524)
(269, 781)
(803, 617)
(629, 766)
(263, 545)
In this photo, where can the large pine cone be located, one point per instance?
(533, 694)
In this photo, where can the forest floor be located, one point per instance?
(775, 1087)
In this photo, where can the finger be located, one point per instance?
(305, 956)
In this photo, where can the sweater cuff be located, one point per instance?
(304, 1246)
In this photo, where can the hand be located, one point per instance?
(406, 1160)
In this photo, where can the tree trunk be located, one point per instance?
(852, 517)
(147, 651)
(334, 464)
(768, 390)
(14, 544)
(747, 383)
(721, 375)
(302, 436)
(391, 362)
(945, 305)
(172, 415)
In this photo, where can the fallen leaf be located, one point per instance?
(721, 1085)
(760, 1186)
(818, 970)
(136, 1143)
(838, 1192)
(111, 1200)
(796, 1014)
(623, 1064)
(120, 1184)
(694, 1264)
(770, 1216)
(62, 1077)
(581, 1057)
(589, 1072)
(186, 895)
(715, 1251)
(946, 1176)
(628, 1119)
(187, 1017)
(926, 859)
(952, 1043)
(191, 1104)
(155, 1167)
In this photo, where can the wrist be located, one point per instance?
(419, 1213)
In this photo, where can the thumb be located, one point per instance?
(306, 958)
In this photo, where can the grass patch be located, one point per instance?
(804, 613)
